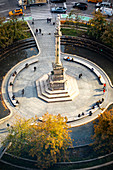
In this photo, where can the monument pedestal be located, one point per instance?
(56, 80)
(68, 94)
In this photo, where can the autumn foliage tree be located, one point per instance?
(103, 132)
(98, 26)
(107, 36)
(47, 140)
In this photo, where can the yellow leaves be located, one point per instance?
(47, 140)
(103, 129)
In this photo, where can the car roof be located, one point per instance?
(105, 3)
(17, 8)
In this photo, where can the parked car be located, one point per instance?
(58, 10)
(16, 12)
(105, 11)
(80, 5)
(95, 1)
(103, 4)
(58, 1)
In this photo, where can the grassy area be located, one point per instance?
(72, 32)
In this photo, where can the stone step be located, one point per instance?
(50, 100)
(57, 95)
(53, 95)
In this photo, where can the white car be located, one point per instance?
(105, 11)
(103, 4)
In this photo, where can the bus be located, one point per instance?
(31, 2)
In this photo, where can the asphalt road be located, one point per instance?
(7, 5)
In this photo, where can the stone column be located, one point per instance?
(58, 34)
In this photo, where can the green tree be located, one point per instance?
(11, 31)
(98, 26)
(18, 136)
(47, 140)
(107, 37)
(103, 132)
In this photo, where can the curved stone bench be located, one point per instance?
(12, 79)
(101, 79)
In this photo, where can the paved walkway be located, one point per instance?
(30, 105)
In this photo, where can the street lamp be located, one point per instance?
(23, 9)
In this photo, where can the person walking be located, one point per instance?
(34, 69)
(104, 91)
(36, 31)
(39, 31)
(80, 75)
(22, 92)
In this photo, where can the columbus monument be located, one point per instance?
(57, 86)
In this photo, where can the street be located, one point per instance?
(43, 12)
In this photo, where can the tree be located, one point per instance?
(98, 25)
(18, 136)
(103, 132)
(107, 36)
(73, 16)
(11, 31)
(47, 140)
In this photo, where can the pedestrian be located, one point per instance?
(11, 84)
(33, 21)
(15, 72)
(82, 113)
(104, 86)
(8, 124)
(102, 99)
(26, 65)
(104, 91)
(17, 102)
(80, 75)
(92, 69)
(90, 113)
(36, 31)
(13, 97)
(99, 77)
(39, 31)
(22, 92)
(34, 69)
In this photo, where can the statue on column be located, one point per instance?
(56, 80)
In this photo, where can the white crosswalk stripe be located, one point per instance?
(42, 12)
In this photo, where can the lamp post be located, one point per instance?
(23, 9)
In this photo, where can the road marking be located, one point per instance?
(4, 11)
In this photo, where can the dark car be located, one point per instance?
(58, 1)
(80, 5)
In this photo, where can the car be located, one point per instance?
(95, 1)
(105, 11)
(58, 10)
(103, 4)
(58, 1)
(80, 5)
(16, 12)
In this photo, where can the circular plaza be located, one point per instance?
(20, 92)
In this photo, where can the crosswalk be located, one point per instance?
(40, 12)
